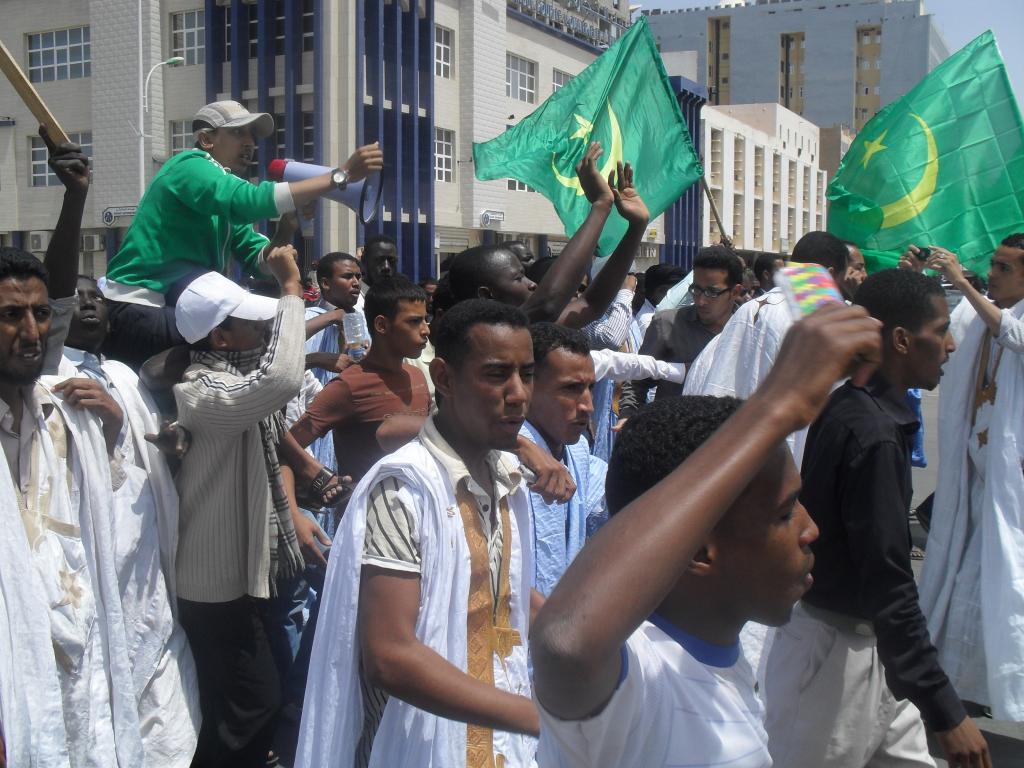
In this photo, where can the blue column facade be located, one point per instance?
(397, 109)
(683, 220)
(266, 53)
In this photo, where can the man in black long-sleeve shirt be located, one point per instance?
(850, 678)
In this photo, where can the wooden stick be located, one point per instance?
(722, 236)
(30, 96)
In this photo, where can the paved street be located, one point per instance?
(1006, 740)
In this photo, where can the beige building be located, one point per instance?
(762, 164)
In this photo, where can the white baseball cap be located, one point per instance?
(211, 298)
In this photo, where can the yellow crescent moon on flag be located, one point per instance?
(914, 203)
(614, 156)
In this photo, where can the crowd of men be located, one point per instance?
(515, 517)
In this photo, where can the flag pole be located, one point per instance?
(725, 239)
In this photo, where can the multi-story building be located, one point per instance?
(762, 165)
(424, 78)
(835, 62)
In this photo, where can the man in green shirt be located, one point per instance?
(196, 214)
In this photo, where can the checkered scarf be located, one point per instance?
(285, 557)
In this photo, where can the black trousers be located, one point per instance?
(137, 332)
(239, 688)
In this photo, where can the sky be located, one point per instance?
(959, 22)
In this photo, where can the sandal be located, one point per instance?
(916, 553)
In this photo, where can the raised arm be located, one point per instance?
(216, 404)
(628, 568)
(72, 168)
(559, 285)
(948, 264)
(606, 283)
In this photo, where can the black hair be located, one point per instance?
(1016, 240)
(20, 265)
(822, 248)
(547, 337)
(451, 342)
(384, 297)
(657, 440)
(539, 268)
(444, 298)
(765, 262)
(472, 268)
(325, 267)
(661, 275)
(899, 298)
(721, 257)
(427, 281)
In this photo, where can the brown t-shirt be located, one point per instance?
(355, 404)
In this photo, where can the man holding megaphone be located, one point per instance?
(197, 212)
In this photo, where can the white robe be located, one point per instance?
(738, 359)
(972, 586)
(88, 717)
(146, 539)
(408, 737)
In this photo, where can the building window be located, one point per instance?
(64, 54)
(188, 36)
(878, 63)
(278, 27)
(182, 137)
(308, 31)
(40, 173)
(520, 78)
(227, 33)
(878, 90)
(865, 64)
(442, 52)
(444, 154)
(254, 31)
(515, 185)
(280, 138)
(558, 79)
(308, 137)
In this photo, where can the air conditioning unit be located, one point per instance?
(38, 242)
(94, 243)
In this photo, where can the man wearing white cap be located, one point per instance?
(198, 212)
(236, 531)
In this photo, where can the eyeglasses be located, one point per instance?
(711, 293)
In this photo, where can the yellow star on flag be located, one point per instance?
(871, 147)
(585, 129)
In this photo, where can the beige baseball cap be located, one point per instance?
(231, 114)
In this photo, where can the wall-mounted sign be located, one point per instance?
(582, 18)
(488, 217)
(112, 214)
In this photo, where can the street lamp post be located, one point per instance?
(144, 107)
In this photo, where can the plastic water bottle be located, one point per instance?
(357, 338)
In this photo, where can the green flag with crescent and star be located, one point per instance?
(623, 100)
(944, 165)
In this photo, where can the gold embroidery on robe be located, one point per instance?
(488, 622)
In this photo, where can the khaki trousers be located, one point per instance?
(827, 703)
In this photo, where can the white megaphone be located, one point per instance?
(363, 197)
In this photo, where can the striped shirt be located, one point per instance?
(223, 549)
(392, 542)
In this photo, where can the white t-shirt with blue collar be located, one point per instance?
(682, 702)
